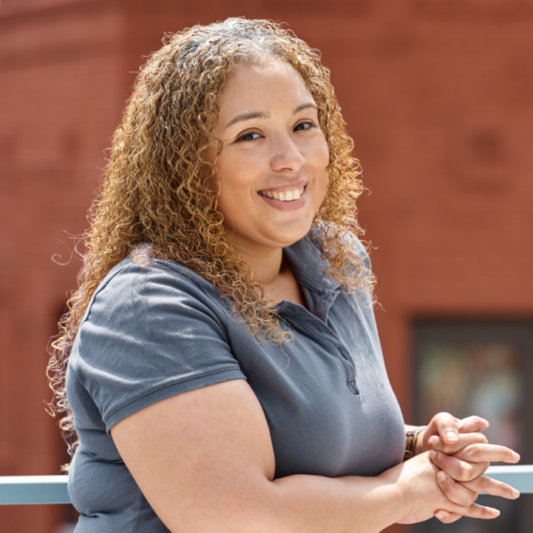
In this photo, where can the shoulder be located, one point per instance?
(150, 305)
(132, 279)
(150, 332)
(133, 289)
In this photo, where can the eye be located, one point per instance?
(251, 136)
(304, 126)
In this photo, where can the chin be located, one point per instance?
(286, 238)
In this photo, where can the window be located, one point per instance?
(486, 369)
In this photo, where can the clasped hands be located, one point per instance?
(462, 455)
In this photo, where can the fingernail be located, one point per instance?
(433, 454)
(495, 512)
(516, 457)
(515, 493)
(452, 436)
(441, 477)
(440, 516)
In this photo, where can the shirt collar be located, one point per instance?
(309, 265)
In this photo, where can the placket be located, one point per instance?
(317, 329)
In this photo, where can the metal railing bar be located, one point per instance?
(27, 490)
(30, 490)
(518, 476)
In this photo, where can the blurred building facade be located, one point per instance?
(437, 94)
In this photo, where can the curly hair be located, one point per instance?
(155, 200)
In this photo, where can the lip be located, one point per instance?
(286, 206)
(291, 186)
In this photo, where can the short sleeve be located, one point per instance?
(151, 333)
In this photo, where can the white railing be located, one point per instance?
(27, 490)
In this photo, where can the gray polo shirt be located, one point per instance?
(152, 332)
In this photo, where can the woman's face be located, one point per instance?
(271, 171)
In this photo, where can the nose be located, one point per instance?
(286, 157)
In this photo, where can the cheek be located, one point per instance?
(234, 181)
(320, 163)
(322, 188)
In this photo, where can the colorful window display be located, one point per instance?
(485, 369)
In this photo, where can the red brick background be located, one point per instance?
(438, 96)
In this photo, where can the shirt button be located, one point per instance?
(353, 387)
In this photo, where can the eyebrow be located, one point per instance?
(304, 106)
(259, 114)
(247, 116)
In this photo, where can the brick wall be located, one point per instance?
(59, 103)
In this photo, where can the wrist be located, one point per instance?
(395, 492)
(414, 441)
(419, 441)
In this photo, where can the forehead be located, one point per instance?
(262, 87)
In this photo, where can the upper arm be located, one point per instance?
(201, 458)
(154, 356)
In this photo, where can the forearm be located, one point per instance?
(296, 504)
(336, 505)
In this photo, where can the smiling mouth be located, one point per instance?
(285, 196)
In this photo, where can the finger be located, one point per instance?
(447, 517)
(447, 428)
(465, 439)
(492, 487)
(472, 424)
(480, 511)
(457, 469)
(455, 492)
(478, 453)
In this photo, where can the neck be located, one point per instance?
(265, 263)
(274, 272)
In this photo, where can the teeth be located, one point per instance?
(287, 196)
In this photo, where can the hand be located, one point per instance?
(460, 474)
(461, 470)
(449, 436)
(446, 430)
(425, 495)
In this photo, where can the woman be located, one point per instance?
(225, 372)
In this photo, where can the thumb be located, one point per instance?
(448, 428)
